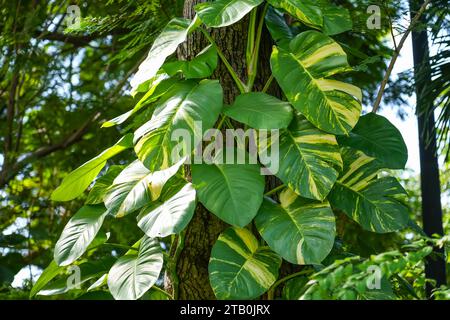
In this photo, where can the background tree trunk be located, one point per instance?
(429, 167)
(204, 229)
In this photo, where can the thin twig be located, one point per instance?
(396, 54)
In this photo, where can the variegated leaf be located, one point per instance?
(137, 271)
(78, 234)
(309, 159)
(239, 268)
(170, 215)
(377, 137)
(173, 34)
(375, 203)
(135, 187)
(222, 13)
(187, 104)
(302, 231)
(303, 73)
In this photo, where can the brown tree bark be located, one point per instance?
(204, 229)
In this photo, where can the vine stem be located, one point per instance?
(274, 190)
(253, 67)
(271, 292)
(396, 54)
(268, 83)
(230, 69)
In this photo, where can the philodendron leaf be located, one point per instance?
(97, 192)
(260, 111)
(300, 230)
(135, 187)
(303, 73)
(173, 34)
(239, 268)
(231, 191)
(185, 112)
(78, 234)
(375, 203)
(168, 215)
(202, 66)
(309, 159)
(136, 272)
(222, 13)
(78, 180)
(377, 137)
(306, 11)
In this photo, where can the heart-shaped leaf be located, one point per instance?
(186, 104)
(377, 137)
(239, 268)
(309, 159)
(375, 203)
(300, 230)
(303, 73)
(78, 234)
(169, 215)
(233, 192)
(136, 272)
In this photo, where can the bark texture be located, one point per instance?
(204, 229)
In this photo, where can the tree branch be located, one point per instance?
(396, 54)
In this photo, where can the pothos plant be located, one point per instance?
(331, 159)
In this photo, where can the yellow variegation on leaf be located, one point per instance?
(239, 268)
(303, 73)
(376, 203)
(300, 230)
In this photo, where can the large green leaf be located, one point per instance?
(173, 34)
(202, 66)
(309, 159)
(78, 180)
(260, 111)
(46, 276)
(239, 268)
(168, 215)
(136, 272)
(222, 13)
(181, 107)
(135, 187)
(378, 138)
(78, 234)
(300, 230)
(232, 191)
(375, 203)
(97, 192)
(306, 11)
(303, 73)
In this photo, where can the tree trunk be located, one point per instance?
(204, 229)
(429, 167)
